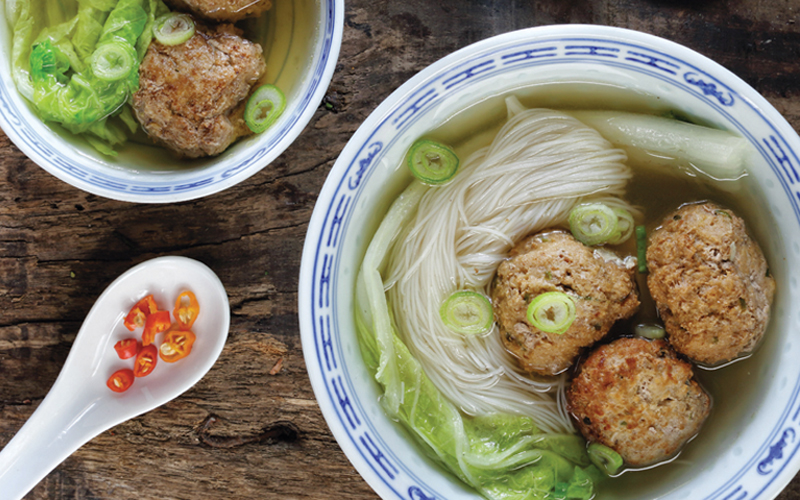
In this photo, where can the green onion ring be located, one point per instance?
(593, 223)
(606, 459)
(113, 61)
(432, 162)
(467, 313)
(264, 107)
(173, 28)
(552, 312)
(625, 226)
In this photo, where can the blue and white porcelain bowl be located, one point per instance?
(750, 452)
(301, 39)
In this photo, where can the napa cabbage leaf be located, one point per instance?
(505, 457)
(55, 52)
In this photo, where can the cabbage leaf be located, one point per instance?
(54, 42)
(155, 9)
(505, 457)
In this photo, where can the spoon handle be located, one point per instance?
(56, 429)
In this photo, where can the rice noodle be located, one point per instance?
(540, 164)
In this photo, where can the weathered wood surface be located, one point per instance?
(241, 432)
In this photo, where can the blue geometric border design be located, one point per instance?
(29, 140)
(784, 440)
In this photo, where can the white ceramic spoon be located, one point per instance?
(80, 406)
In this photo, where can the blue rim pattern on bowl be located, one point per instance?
(765, 465)
(35, 146)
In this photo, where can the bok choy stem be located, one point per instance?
(717, 153)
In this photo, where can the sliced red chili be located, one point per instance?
(177, 344)
(127, 348)
(145, 361)
(121, 380)
(138, 314)
(186, 310)
(156, 323)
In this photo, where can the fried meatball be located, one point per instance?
(223, 10)
(191, 96)
(636, 397)
(603, 292)
(710, 282)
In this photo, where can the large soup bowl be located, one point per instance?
(301, 41)
(748, 447)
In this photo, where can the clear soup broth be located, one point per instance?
(659, 186)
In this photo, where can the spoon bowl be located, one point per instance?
(80, 406)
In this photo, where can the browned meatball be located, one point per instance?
(636, 397)
(223, 10)
(603, 292)
(710, 283)
(191, 96)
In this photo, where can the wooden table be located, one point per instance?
(251, 429)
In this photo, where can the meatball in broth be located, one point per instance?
(191, 96)
(710, 282)
(636, 397)
(223, 10)
(600, 285)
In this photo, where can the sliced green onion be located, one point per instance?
(113, 61)
(593, 223)
(467, 313)
(641, 248)
(652, 332)
(606, 459)
(264, 107)
(625, 226)
(173, 28)
(552, 312)
(431, 162)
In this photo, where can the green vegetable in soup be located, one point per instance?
(717, 153)
(264, 107)
(652, 332)
(502, 456)
(593, 223)
(641, 248)
(173, 28)
(606, 459)
(78, 62)
(552, 312)
(625, 225)
(467, 312)
(431, 162)
(113, 61)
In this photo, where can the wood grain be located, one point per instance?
(250, 429)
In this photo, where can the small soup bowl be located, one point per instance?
(301, 41)
(748, 447)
